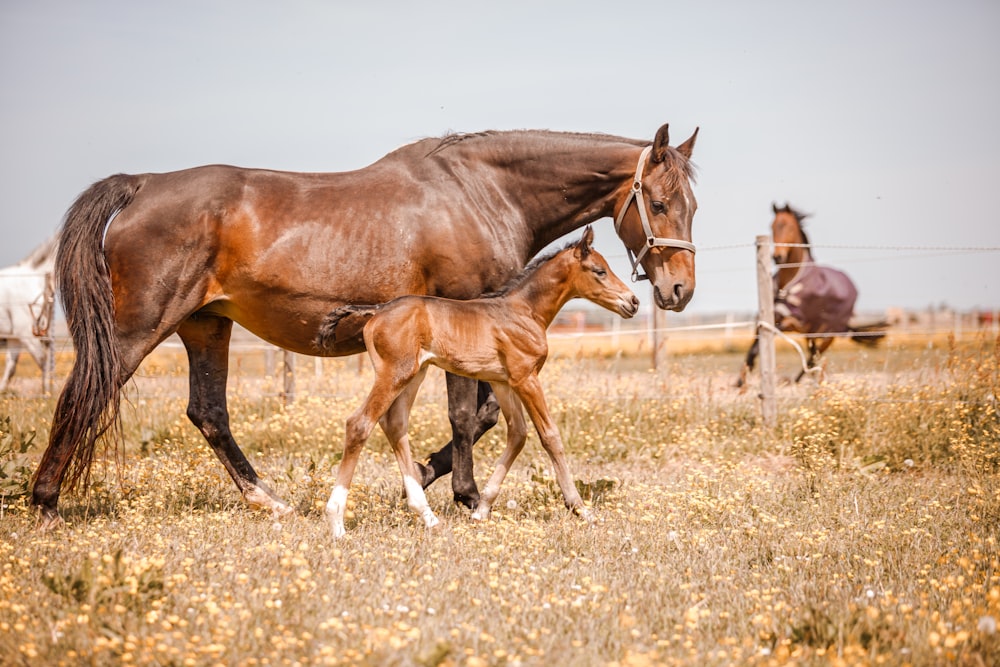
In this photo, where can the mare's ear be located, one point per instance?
(687, 147)
(661, 143)
(774, 207)
(584, 245)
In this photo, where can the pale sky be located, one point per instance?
(881, 118)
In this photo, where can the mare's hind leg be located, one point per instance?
(206, 338)
(469, 421)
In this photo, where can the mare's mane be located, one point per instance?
(678, 167)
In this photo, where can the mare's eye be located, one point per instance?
(600, 273)
(656, 206)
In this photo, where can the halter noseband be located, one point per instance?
(635, 193)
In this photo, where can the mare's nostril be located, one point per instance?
(678, 291)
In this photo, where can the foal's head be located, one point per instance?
(787, 228)
(593, 279)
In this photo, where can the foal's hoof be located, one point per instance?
(586, 514)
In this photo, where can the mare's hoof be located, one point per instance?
(470, 502)
(48, 520)
(586, 514)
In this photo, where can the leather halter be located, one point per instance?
(635, 193)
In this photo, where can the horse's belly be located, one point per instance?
(480, 367)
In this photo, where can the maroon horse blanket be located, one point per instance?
(820, 298)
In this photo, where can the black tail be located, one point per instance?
(89, 404)
(343, 324)
(868, 335)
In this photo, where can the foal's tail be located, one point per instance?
(868, 334)
(89, 404)
(343, 324)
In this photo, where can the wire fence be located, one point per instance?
(730, 332)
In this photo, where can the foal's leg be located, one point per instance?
(530, 393)
(469, 421)
(394, 424)
(517, 432)
(206, 339)
(389, 383)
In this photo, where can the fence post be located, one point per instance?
(288, 376)
(765, 335)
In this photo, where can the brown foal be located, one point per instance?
(498, 338)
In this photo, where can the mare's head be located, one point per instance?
(787, 229)
(592, 279)
(657, 229)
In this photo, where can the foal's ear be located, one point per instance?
(774, 207)
(584, 244)
(661, 143)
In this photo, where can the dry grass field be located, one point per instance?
(863, 529)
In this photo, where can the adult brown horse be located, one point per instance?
(498, 338)
(809, 298)
(195, 250)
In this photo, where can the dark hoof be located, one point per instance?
(470, 502)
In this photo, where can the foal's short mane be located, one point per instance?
(525, 272)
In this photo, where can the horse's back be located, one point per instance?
(821, 297)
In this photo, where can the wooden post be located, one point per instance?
(288, 376)
(659, 321)
(765, 317)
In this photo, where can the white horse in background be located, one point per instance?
(27, 301)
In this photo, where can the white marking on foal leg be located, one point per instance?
(417, 500)
(486, 498)
(335, 507)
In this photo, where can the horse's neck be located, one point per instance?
(544, 292)
(797, 257)
(563, 182)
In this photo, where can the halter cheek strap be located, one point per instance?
(635, 193)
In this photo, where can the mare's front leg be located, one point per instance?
(517, 433)
(530, 392)
(206, 339)
(471, 414)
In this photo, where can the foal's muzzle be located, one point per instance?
(628, 306)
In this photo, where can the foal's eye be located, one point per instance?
(600, 273)
(656, 206)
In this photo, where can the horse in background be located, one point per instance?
(498, 338)
(27, 303)
(809, 298)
